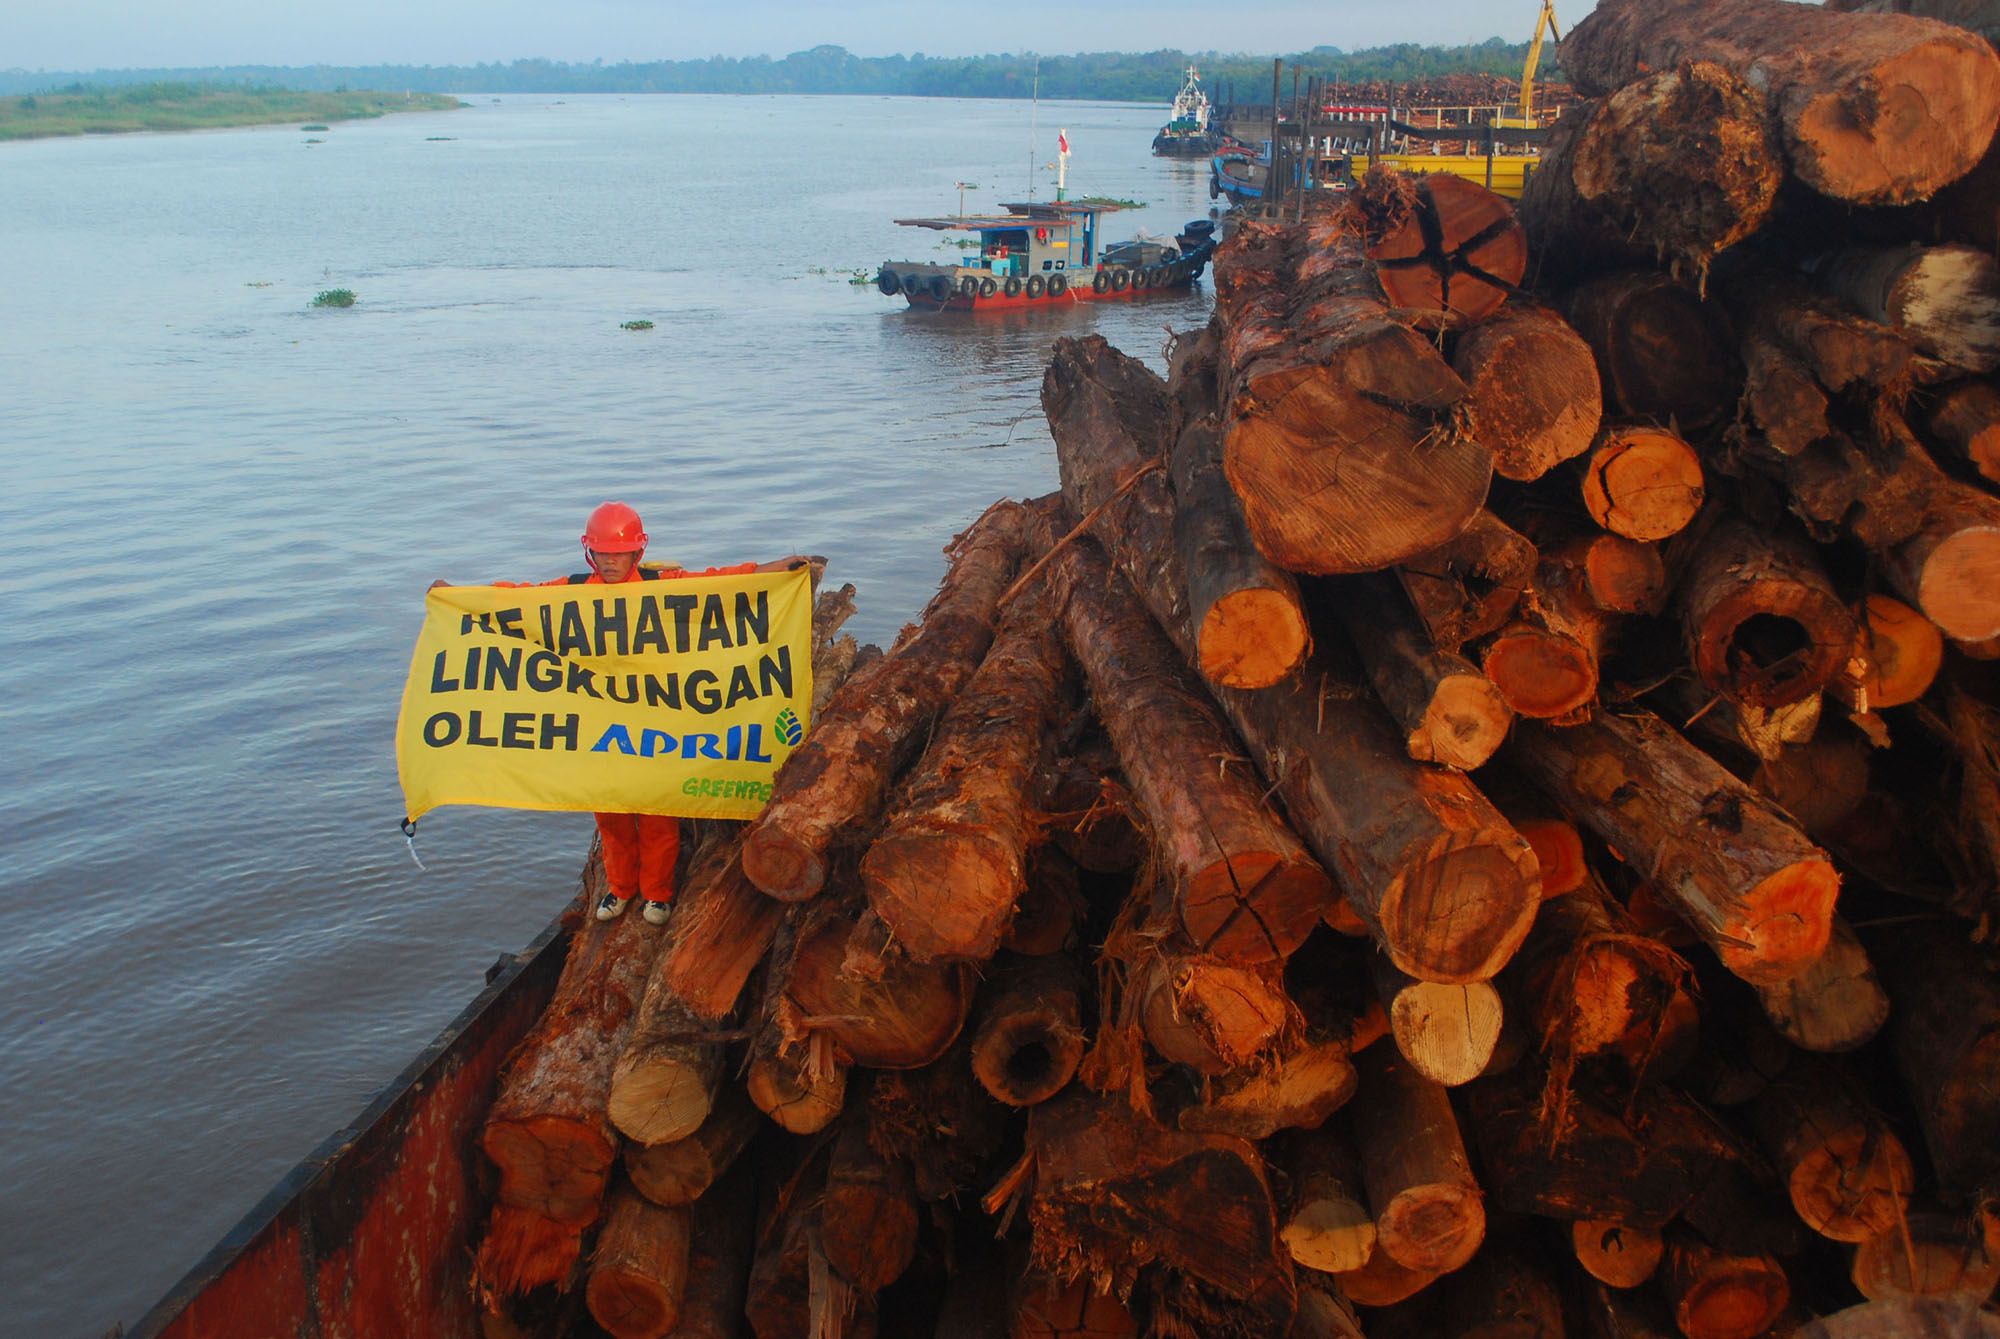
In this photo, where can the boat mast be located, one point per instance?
(1034, 114)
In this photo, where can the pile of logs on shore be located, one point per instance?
(1475, 810)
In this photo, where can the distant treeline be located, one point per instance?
(79, 109)
(1109, 76)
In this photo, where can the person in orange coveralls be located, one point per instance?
(639, 849)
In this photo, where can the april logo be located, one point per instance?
(787, 728)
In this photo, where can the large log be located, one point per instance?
(666, 1078)
(1429, 1215)
(1965, 420)
(1872, 109)
(1331, 407)
(1903, 649)
(1981, 16)
(1839, 347)
(1643, 483)
(1027, 1036)
(1246, 889)
(1763, 623)
(1115, 1193)
(1449, 712)
(1950, 568)
(868, 1212)
(1248, 622)
(947, 869)
(1928, 1254)
(1945, 1029)
(1744, 878)
(639, 1271)
(1662, 354)
(1299, 1081)
(548, 1132)
(1583, 1160)
(721, 1243)
(1446, 1032)
(1847, 1174)
(1674, 167)
(1446, 250)
(892, 1013)
(1835, 1004)
(1502, 1294)
(1213, 1017)
(1531, 389)
(1468, 586)
(1943, 299)
(723, 926)
(883, 715)
(1328, 1226)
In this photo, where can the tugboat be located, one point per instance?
(1187, 134)
(1042, 253)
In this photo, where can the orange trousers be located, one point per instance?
(639, 854)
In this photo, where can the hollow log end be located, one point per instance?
(1814, 629)
(1252, 639)
(1026, 1058)
(782, 865)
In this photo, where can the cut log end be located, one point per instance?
(1447, 1032)
(781, 865)
(1903, 648)
(1927, 112)
(1558, 848)
(660, 1103)
(1624, 576)
(1433, 1227)
(1643, 483)
(1255, 908)
(1541, 674)
(1853, 1186)
(797, 1103)
(1252, 638)
(566, 1160)
(945, 895)
(1485, 888)
(1957, 581)
(1787, 923)
(1464, 723)
(1333, 1235)
(1618, 1254)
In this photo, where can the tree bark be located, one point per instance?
(1469, 586)
(1246, 889)
(1872, 109)
(1981, 16)
(839, 776)
(677, 1174)
(1674, 167)
(1662, 354)
(1028, 1037)
(1428, 1209)
(945, 873)
(1950, 568)
(639, 1271)
(1091, 812)
(1502, 1294)
(1943, 299)
(722, 928)
(1331, 436)
(1847, 1174)
(1781, 398)
(1447, 251)
(868, 1212)
(721, 1244)
(548, 1132)
(1719, 1296)
(1744, 878)
(1763, 624)
(1642, 483)
(1449, 712)
(1839, 347)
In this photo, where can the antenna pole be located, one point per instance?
(1034, 115)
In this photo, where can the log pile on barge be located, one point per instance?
(1475, 810)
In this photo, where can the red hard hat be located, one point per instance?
(614, 528)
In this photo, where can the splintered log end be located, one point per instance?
(1255, 908)
(551, 1165)
(1531, 391)
(1207, 1015)
(1252, 638)
(1643, 483)
(1619, 1254)
(1541, 674)
(1904, 651)
(1457, 914)
(524, 1250)
(796, 1102)
(1925, 117)
(781, 864)
(1785, 923)
(660, 1102)
(1464, 723)
(945, 895)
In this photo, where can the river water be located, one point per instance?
(221, 508)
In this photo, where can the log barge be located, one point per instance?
(1473, 811)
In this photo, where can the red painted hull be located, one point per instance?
(958, 302)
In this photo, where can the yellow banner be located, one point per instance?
(679, 696)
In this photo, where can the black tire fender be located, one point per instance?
(987, 287)
(1102, 283)
(888, 283)
(1012, 288)
(1058, 285)
(1036, 285)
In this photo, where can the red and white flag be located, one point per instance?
(1062, 142)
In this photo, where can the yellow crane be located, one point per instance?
(1546, 20)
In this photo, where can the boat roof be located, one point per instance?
(1032, 213)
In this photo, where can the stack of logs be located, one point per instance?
(1291, 866)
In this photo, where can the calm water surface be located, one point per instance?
(221, 508)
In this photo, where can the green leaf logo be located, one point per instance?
(788, 729)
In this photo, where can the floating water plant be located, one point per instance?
(635, 325)
(334, 297)
(312, 127)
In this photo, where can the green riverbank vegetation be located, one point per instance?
(82, 109)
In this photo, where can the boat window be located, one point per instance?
(1048, 265)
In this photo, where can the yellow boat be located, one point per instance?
(1503, 174)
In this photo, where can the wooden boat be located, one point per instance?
(371, 1233)
(1039, 254)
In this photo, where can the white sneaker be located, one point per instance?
(611, 906)
(656, 913)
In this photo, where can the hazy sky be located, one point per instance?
(111, 34)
